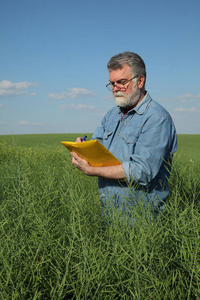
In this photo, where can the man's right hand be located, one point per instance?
(79, 140)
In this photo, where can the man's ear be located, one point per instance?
(141, 81)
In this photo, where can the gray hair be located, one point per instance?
(133, 60)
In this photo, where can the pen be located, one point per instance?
(84, 139)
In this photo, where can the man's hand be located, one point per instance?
(110, 172)
(81, 164)
(79, 140)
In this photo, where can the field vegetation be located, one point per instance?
(54, 244)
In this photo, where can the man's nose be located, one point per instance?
(114, 88)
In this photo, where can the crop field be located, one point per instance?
(54, 243)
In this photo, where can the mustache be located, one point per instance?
(118, 94)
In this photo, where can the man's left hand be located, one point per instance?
(81, 164)
(110, 172)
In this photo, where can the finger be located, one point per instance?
(79, 139)
(74, 155)
(73, 160)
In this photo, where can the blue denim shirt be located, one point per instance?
(144, 141)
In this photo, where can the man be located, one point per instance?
(139, 132)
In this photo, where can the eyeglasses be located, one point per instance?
(120, 84)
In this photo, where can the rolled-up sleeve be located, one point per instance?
(152, 149)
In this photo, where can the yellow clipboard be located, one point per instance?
(94, 152)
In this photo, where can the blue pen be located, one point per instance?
(84, 139)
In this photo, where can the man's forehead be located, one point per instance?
(120, 73)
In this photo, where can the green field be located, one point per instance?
(34, 140)
(53, 244)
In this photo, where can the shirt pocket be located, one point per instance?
(130, 138)
(131, 134)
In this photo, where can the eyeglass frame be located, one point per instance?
(112, 84)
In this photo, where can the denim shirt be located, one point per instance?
(144, 141)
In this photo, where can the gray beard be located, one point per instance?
(125, 101)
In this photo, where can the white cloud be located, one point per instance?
(181, 109)
(26, 123)
(33, 94)
(74, 93)
(62, 95)
(186, 98)
(2, 122)
(0, 105)
(9, 93)
(77, 107)
(8, 88)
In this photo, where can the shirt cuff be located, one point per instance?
(126, 167)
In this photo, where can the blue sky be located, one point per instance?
(53, 57)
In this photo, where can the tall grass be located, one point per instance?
(53, 244)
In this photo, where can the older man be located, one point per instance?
(139, 132)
